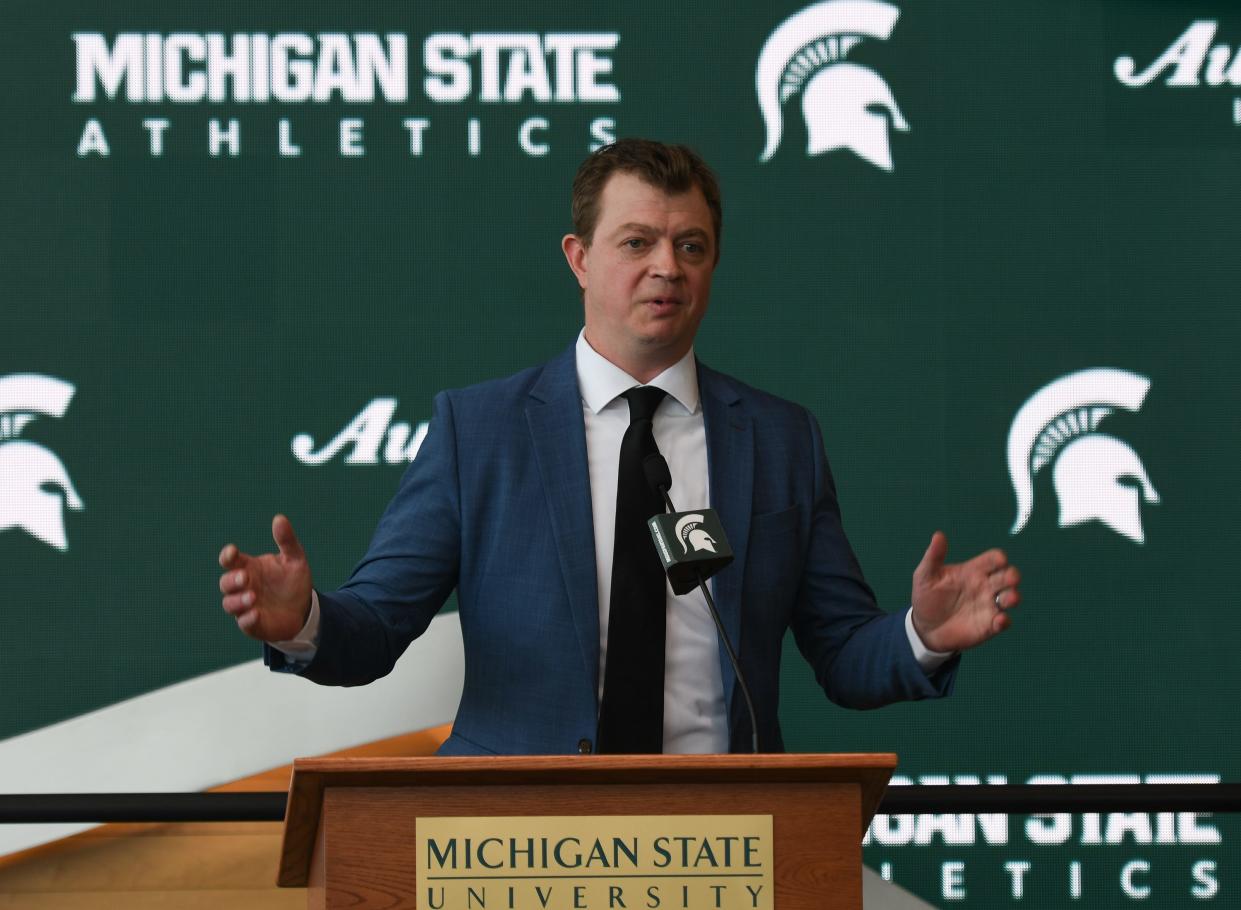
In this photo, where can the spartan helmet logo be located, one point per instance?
(34, 486)
(689, 531)
(846, 106)
(1060, 422)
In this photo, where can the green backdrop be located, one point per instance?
(1041, 217)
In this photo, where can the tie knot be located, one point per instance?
(643, 400)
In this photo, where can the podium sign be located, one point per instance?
(738, 832)
(722, 861)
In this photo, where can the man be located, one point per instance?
(518, 500)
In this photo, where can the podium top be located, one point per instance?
(311, 776)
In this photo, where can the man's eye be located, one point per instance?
(635, 243)
(692, 247)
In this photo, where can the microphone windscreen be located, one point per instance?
(658, 477)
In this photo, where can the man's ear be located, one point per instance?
(575, 253)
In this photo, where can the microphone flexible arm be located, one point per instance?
(660, 478)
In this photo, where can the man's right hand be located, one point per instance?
(268, 595)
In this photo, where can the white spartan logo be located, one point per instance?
(689, 531)
(841, 101)
(1097, 477)
(34, 486)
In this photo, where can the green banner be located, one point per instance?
(993, 247)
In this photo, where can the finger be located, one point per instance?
(231, 582)
(933, 559)
(232, 558)
(1008, 598)
(236, 604)
(1000, 622)
(991, 561)
(286, 540)
(248, 620)
(1007, 577)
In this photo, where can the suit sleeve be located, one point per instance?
(861, 655)
(409, 570)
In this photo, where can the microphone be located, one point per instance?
(698, 549)
(691, 545)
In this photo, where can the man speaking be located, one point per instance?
(529, 496)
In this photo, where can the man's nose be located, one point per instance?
(664, 262)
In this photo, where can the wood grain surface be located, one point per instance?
(175, 866)
(363, 841)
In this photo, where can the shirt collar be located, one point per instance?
(602, 382)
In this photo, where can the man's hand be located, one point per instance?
(268, 595)
(960, 605)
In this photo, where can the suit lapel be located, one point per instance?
(558, 434)
(730, 463)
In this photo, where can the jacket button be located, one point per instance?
(584, 747)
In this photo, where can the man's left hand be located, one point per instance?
(960, 605)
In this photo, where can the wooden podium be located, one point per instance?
(351, 828)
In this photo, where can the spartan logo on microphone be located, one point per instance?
(691, 545)
(841, 101)
(1097, 477)
(34, 485)
(691, 533)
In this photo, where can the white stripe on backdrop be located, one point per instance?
(226, 725)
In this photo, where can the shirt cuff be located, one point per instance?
(303, 646)
(928, 660)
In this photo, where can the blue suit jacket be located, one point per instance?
(498, 505)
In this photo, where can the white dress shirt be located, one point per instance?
(695, 718)
(694, 711)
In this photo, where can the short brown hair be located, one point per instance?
(671, 168)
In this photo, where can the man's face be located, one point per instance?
(646, 276)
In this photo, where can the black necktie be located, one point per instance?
(631, 717)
